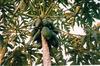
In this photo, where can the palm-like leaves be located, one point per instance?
(17, 21)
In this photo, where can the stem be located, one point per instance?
(46, 54)
(2, 53)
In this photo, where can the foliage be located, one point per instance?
(22, 20)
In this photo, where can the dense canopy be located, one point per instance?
(23, 22)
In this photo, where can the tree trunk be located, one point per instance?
(46, 54)
(2, 53)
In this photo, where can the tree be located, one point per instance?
(29, 26)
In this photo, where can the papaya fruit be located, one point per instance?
(48, 24)
(38, 22)
(50, 37)
(46, 32)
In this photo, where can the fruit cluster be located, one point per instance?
(48, 30)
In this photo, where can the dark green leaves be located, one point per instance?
(1, 38)
(63, 1)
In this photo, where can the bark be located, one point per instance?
(46, 54)
(2, 53)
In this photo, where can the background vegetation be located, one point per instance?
(22, 22)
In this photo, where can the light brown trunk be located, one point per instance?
(2, 53)
(46, 54)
